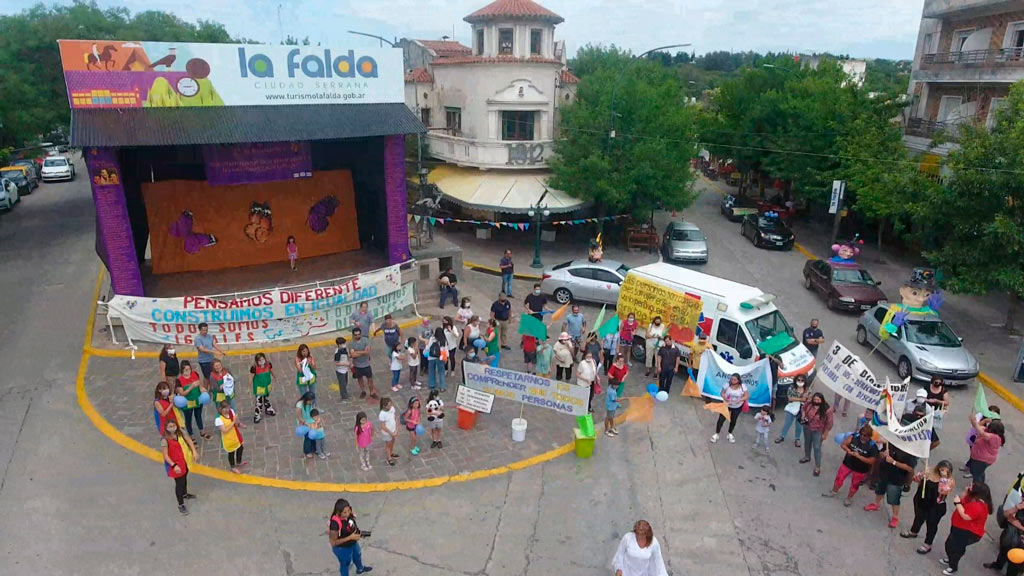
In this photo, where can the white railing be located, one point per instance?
(507, 154)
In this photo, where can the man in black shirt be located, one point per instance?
(501, 312)
(861, 453)
(669, 358)
(891, 478)
(813, 337)
(536, 302)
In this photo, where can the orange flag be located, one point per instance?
(718, 408)
(558, 313)
(639, 409)
(690, 389)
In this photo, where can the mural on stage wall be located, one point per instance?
(194, 241)
(240, 220)
(320, 214)
(120, 74)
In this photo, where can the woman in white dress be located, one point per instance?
(639, 553)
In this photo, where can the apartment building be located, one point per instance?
(968, 54)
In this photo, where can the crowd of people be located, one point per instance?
(577, 355)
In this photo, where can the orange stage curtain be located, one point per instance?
(224, 212)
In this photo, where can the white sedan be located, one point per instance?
(58, 168)
(8, 194)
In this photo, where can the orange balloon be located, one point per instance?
(1016, 556)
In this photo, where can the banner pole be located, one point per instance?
(924, 477)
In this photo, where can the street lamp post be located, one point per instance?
(615, 88)
(538, 212)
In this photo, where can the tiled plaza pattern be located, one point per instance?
(122, 392)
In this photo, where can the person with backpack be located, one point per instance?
(437, 359)
(344, 535)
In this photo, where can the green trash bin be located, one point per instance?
(586, 424)
(584, 444)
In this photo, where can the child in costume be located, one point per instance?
(263, 378)
(230, 436)
(223, 384)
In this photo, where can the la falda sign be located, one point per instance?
(127, 74)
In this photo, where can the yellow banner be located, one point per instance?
(646, 299)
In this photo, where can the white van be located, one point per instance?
(737, 318)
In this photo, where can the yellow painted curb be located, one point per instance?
(475, 266)
(132, 445)
(804, 251)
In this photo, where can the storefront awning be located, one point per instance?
(510, 191)
(238, 124)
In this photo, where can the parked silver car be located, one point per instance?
(684, 242)
(584, 280)
(8, 194)
(923, 347)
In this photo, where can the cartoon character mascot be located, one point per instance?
(596, 249)
(845, 253)
(919, 297)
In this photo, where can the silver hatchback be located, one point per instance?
(923, 347)
(584, 280)
(684, 242)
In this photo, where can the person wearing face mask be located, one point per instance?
(734, 395)
(816, 417)
(655, 332)
(796, 395)
(470, 333)
(465, 313)
(169, 366)
(535, 302)
(191, 388)
(164, 407)
(179, 454)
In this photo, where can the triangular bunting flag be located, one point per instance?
(408, 217)
(416, 218)
(433, 221)
(526, 226)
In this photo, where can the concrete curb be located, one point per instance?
(496, 271)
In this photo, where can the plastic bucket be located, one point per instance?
(584, 445)
(467, 418)
(518, 429)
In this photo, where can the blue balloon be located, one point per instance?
(317, 434)
(479, 343)
(301, 430)
(180, 401)
(841, 437)
(420, 430)
(204, 398)
(652, 388)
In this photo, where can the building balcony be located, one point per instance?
(924, 128)
(967, 8)
(999, 65)
(497, 154)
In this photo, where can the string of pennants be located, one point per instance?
(434, 221)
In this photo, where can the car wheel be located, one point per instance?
(563, 296)
(807, 282)
(862, 336)
(832, 303)
(903, 368)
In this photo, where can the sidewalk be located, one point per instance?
(976, 318)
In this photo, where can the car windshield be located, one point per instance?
(771, 324)
(687, 235)
(770, 223)
(931, 334)
(852, 276)
(622, 269)
(12, 174)
(55, 162)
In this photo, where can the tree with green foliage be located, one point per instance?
(646, 163)
(976, 221)
(33, 96)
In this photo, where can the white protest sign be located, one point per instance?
(914, 438)
(474, 399)
(844, 373)
(531, 390)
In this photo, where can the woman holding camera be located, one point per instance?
(344, 535)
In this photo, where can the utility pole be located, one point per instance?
(835, 206)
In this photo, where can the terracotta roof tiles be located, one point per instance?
(569, 77)
(519, 9)
(445, 48)
(418, 76)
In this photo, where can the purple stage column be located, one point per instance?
(395, 196)
(113, 228)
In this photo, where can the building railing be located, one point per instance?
(1011, 56)
(925, 128)
(530, 154)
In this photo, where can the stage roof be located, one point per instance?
(238, 124)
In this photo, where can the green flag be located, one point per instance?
(609, 327)
(531, 326)
(981, 404)
(600, 318)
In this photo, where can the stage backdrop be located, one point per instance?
(195, 226)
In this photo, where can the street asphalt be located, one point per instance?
(73, 502)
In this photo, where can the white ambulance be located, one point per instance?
(741, 321)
